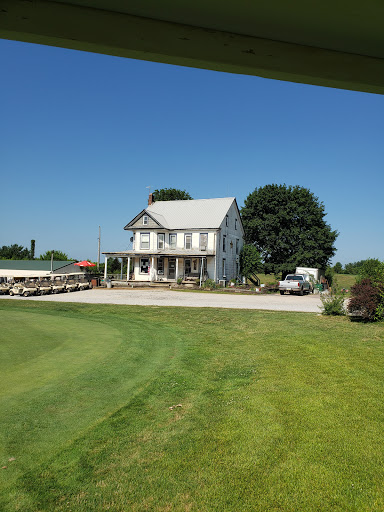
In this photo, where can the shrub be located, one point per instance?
(333, 304)
(209, 284)
(367, 300)
(179, 280)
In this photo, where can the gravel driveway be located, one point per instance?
(151, 297)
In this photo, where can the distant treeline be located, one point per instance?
(18, 252)
(349, 268)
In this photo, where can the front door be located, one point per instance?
(172, 268)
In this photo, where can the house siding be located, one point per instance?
(139, 223)
(233, 231)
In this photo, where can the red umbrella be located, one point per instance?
(85, 263)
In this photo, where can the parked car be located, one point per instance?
(296, 283)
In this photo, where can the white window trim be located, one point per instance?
(145, 220)
(185, 240)
(170, 245)
(200, 246)
(149, 242)
(158, 246)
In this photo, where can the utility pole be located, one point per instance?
(98, 252)
(52, 261)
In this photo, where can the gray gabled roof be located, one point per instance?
(189, 214)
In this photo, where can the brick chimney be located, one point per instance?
(150, 199)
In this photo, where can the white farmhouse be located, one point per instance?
(189, 239)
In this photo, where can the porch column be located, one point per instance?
(105, 267)
(128, 267)
(201, 271)
(152, 272)
(177, 268)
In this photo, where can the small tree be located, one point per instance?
(338, 268)
(250, 261)
(57, 256)
(329, 275)
(170, 194)
(114, 265)
(372, 269)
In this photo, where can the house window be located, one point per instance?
(172, 241)
(203, 241)
(224, 243)
(188, 241)
(226, 220)
(144, 240)
(144, 265)
(237, 245)
(235, 223)
(224, 273)
(145, 220)
(160, 266)
(161, 241)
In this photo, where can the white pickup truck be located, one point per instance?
(296, 283)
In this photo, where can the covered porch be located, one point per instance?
(165, 267)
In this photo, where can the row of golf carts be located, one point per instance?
(45, 286)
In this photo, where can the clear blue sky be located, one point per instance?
(82, 136)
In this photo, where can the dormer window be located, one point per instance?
(145, 220)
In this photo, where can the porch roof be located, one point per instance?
(161, 254)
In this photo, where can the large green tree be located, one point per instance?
(170, 194)
(14, 252)
(286, 224)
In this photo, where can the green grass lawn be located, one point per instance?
(279, 411)
(345, 280)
